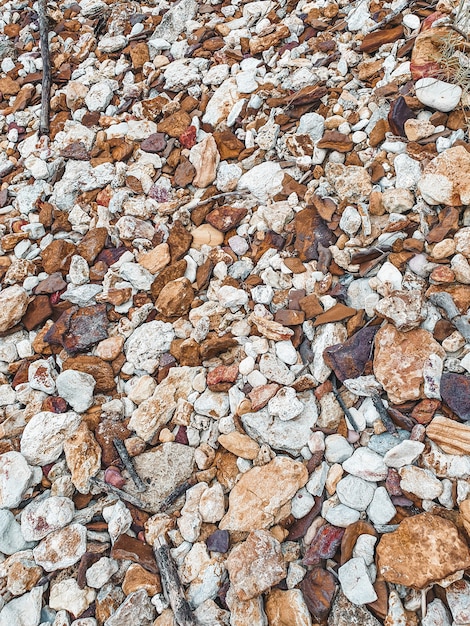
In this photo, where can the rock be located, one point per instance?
(275, 370)
(155, 260)
(324, 545)
(13, 304)
(348, 359)
(454, 390)
(99, 573)
(211, 504)
(423, 550)
(147, 343)
(263, 181)
(46, 515)
(212, 404)
(381, 509)
(445, 179)
(79, 328)
(399, 361)
(436, 614)
(25, 610)
(285, 404)
(457, 595)
(139, 578)
(261, 493)
(83, 457)
(405, 309)
(205, 158)
(420, 482)
(44, 436)
(437, 94)
(175, 298)
(345, 613)
(15, 478)
(366, 464)
(337, 449)
(355, 582)
(136, 609)
(318, 588)
(352, 183)
(11, 537)
(66, 595)
(287, 607)
(355, 492)
(127, 548)
(95, 366)
(77, 388)
(339, 514)
(61, 548)
(154, 143)
(20, 572)
(453, 437)
(175, 22)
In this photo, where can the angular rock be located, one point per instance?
(15, 478)
(46, 515)
(318, 588)
(61, 548)
(287, 607)
(455, 390)
(44, 436)
(345, 613)
(83, 457)
(445, 179)
(349, 359)
(13, 304)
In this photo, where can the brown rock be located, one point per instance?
(423, 550)
(349, 359)
(228, 145)
(92, 244)
(78, 329)
(83, 457)
(154, 143)
(169, 273)
(289, 317)
(337, 313)
(310, 232)
(175, 124)
(128, 548)
(374, 40)
(453, 437)
(221, 378)
(139, 578)
(261, 494)
(184, 174)
(260, 396)
(139, 54)
(51, 284)
(155, 260)
(186, 352)
(38, 311)
(424, 411)
(105, 432)
(240, 445)
(175, 298)
(107, 602)
(101, 371)
(214, 345)
(255, 565)
(57, 256)
(271, 329)
(318, 588)
(8, 86)
(226, 217)
(287, 608)
(460, 294)
(455, 391)
(351, 534)
(295, 265)
(179, 241)
(259, 44)
(334, 140)
(399, 361)
(108, 350)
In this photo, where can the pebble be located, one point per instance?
(355, 582)
(438, 94)
(355, 492)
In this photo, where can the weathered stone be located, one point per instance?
(83, 456)
(61, 548)
(13, 304)
(445, 179)
(175, 298)
(455, 390)
(318, 588)
(44, 436)
(287, 608)
(345, 613)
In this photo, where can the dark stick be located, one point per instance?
(118, 492)
(129, 465)
(341, 403)
(384, 416)
(171, 584)
(176, 493)
(46, 68)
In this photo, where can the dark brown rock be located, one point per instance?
(57, 256)
(38, 311)
(399, 113)
(101, 371)
(175, 124)
(77, 151)
(105, 432)
(318, 588)
(186, 352)
(172, 272)
(228, 145)
(51, 284)
(455, 391)
(128, 548)
(349, 359)
(78, 329)
(175, 298)
(289, 317)
(374, 40)
(92, 244)
(214, 345)
(334, 140)
(184, 174)
(179, 241)
(225, 218)
(154, 143)
(311, 231)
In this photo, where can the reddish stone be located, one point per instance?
(226, 217)
(38, 311)
(392, 482)
(78, 329)
(57, 256)
(76, 151)
(260, 396)
(399, 113)
(54, 404)
(222, 377)
(101, 371)
(324, 545)
(184, 174)
(334, 140)
(311, 232)
(92, 244)
(188, 138)
(424, 411)
(300, 526)
(154, 143)
(110, 255)
(337, 313)
(455, 391)
(51, 284)
(318, 588)
(179, 241)
(289, 317)
(128, 548)
(374, 40)
(175, 124)
(169, 273)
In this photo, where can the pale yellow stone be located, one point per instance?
(443, 249)
(155, 260)
(110, 348)
(287, 608)
(240, 445)
(451, 436)
(206, 235)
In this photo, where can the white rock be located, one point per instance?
(67, 595)
(398, 200)
(316, 482)
(211, 504)
(263, 180)
(15, 478)
(44, 435)
(144, 347)
(13, 304)
(311, 124)
(407, 170)
(302, 503)
(110, 43)
(228, 175)
(420, 482)
(436, 614)
(99, 96)
(119, 519)
(405, 453)
(231, 297)
(381, 509)
(11, 537)
(367, 465)
(411, 20)
(61, 548)
(23, 611)
(7, 395)
(391, 275)
(212, 404)
(79, 271)
(43, 516)
(326, 336)
(275, 370)
(138, 276)
(136, 609)
(285, 404)
(355, 582)
(350, 221)
(337, 449)
(286, 352)
(216, 74)
(99, 573)
(355, 492)
(364, 548)
(76, 388)
(339, 514)
(437, 94)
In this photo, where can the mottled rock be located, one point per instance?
(61, 548)
(147, 343)
(175, 298)
(44, 436)
(46, 515)
(13, 304)
(15, 478)
(455, 389)
(136, 609)
(345, 613)
(318, 588)
(83, 456)
(445, 179)
(287, 608)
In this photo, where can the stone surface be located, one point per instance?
(15, 478)
(355, 582)
(424, 549)
(444, 180)
(437, 94)
(83, 457)
(44, 436)
(287, 607)
(61, 548)
(13, 303)
(345, 613)
(41, 517)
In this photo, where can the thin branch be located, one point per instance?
(342, 404)
(119, 492)
(128, 464)
(46, 68)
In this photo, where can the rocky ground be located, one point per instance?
(235, 287)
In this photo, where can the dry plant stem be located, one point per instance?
(127, 461)
(46, 68)
(176, 493)
(118, 492)
(171, 584)
(384, 416)
(345, 409)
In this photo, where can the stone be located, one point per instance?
(25, 610)
(205, 158)
(61, 548)
(175, 298)
(436, 614)
(46, 515)
(155, 260)
(424, 549)
(147, 343)
(318, 588)
(444, 179)
(66, 595)
(457, 595)
(127, 548)
(420, 482)
(76, 388)
(101, 372)
(348, 359)
(21, 572)
(239, 444)
(262, 493)
(11, 537)
(339, 514)
(13, 304)
(399, 361)
(355, 582)
(15, 478)
(263, 181)
(437, 94)
(175, 124)
(345, 613)
(454, 390)
(352, 183)
(79, 328)
(381, 509)
(44, 436)
(212, 404)
(275, 370)
(83, 457)
(287, 608)
(136, 609)
(355, 492)
(451, 436)
(139, 578)
(154, 143)
(285, 404)
(404, 453)
(366, 464)
(405, 309)
(98, 574)
(324, 545)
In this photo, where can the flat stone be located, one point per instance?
(15, 478)
(61, 548)
(25, 610)
(381, 509)
(44, 516)
(420, 482)
(355, 582)
(458, 598)
(66, 595)
(44, 436)
(454, 390)
(261, 493)
(83, 457)
(287, 607)
(136, 609)
(239, 444)
(355, 492)
(345, 613)
(437, 94)
(348, 359)
(424, 549)
(13, 304)
(367, 465)
(77, 388)
(318, 588)
(147, 343)
(445, 178)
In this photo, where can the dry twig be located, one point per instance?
(46, 68)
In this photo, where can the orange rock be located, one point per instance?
(175, 124)
(139, 578)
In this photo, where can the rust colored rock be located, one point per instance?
(214, 345)
(455, 391)
(101, 371)
(226, 217)
(324, 545)
(424, 411)
(83, 457)
(154, 143)
(351, 534)
(175, 124)
(128, 548)
(186, 352)
(38, 311)
(175, 298)
(179, 241)
(169, 273)
(399, 113)
(260, 396)
(222, 377)
(289, 317)
(318, 588)
(139, 578)
(107, 602)
(51, 284)
(75, 150)
(54, 404)
(423, 550)
(399, 361)
(57, 256)
(259, 44)
(447, 226)
(228, 145)
(349, 359)
(310, 231)
(139, 54)
(337, 313)
(311, 306)
(334, 140)
(184, 174)
(78, 329)
(92, 244)
(105, 432)
(374, 40)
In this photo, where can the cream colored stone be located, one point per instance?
(83, 456)
(287, 608)
(155, 260)
(240, 445)
(205, 158)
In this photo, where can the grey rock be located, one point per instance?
(174, 21)
(23, 611)
(11, 538)
(136, 609)
(345, 613)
